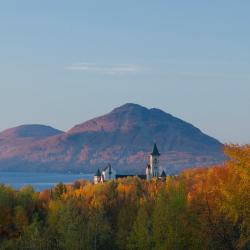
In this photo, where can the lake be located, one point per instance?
(39, 181)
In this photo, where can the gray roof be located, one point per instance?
(98, 173)
(108, 166)
(155, 151)
(163, 174)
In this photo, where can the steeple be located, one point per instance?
(98, 173)
(155, 151)
(152, 170)
(163, 174)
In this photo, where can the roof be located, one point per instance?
(108, 167)
(163, 174)
(142, 176)
(155, 151)
(125, 176)
(98, 173)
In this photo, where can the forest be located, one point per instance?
(202, 208)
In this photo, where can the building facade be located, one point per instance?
(152, 170)
(107, 174)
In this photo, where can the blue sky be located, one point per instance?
(63, 62)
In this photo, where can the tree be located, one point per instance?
(59, 190)
(171, 218)
(141, 235)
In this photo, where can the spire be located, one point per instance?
(155, 151)
(163, 174)
(98, 173)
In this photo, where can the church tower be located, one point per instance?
(152, 170)
(155, 162)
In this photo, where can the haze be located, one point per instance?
(64, 62)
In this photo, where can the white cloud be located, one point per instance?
(109, 69)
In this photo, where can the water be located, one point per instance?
(39, 181)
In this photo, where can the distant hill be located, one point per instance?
(123, 137)
(21, 136)
(30, 131)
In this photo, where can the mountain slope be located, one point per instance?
(124, 138)
(34, 131)
(25, 134)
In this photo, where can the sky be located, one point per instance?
(63, 62)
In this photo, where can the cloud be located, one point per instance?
(109, 69)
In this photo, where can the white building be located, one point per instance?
(107, 174)
(98, 177)
(152, 170)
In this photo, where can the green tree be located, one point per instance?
(59, 190)
(141, 235)
(171, 219)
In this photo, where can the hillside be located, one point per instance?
(123, 137)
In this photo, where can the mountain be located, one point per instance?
(123, 137)
(24, 135)
(30, 131)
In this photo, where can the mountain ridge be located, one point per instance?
(122, 137)
(31, 130)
